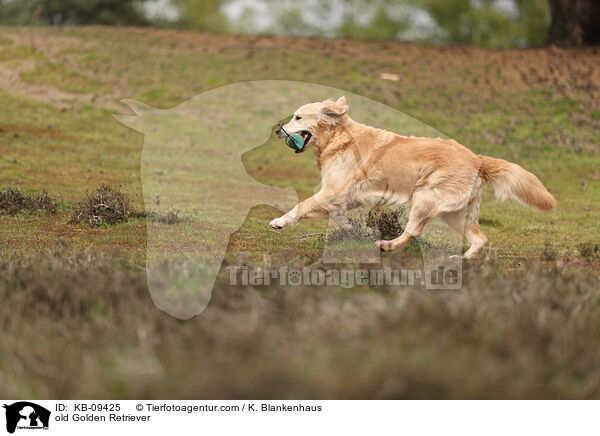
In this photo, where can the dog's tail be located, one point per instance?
(511, 181)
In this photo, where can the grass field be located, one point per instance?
(527, 318)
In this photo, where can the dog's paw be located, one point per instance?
(384, 245)
(278, 223)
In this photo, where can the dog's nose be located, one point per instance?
(279, 126)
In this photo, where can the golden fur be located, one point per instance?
(363, 165)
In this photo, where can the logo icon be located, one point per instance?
(26, 415)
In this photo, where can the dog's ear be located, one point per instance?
(336, 108)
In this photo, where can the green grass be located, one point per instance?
(70, 151)
(12, 52)
(60, 77)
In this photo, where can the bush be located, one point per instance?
(359, 232)
(589, 250)
(170, 217)
(106, 205)
(550, 253)
(384, 221)
(13, 201)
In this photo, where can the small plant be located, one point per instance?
(589, 250)
(105, 205)
(359, 232)
(170, 217)
(382, 223)
(13, 201)
(550, 253)
(386, 221)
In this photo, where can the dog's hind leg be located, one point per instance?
(477, 239)
(422, 211)
(469, 229)
(466, 223)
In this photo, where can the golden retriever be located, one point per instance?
(363, 165)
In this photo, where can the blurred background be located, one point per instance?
(487, 23)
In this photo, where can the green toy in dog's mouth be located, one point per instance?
(296, 141)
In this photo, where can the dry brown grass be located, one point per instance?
(85, 327)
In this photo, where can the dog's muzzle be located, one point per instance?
(294, 141)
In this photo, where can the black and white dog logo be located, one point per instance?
(26, 415)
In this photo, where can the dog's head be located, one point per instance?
(315, 119)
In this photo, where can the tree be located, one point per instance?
(574, 22)
(204, 15)
(371, 19)
(110, 12)
(18, 12)
(487, 23)
(534, 20)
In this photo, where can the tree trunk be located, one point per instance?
(574, 22)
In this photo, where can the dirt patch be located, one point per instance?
(10, 80)
(18, 129)
(46, 41)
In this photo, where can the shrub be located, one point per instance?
(105, 205)
(13, 201)
(359, 231)
(589, 250)
(170, 217)
(387, 221)
(380, 220)
(550, 253)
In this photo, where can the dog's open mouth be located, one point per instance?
(297, 141)
(305, 136)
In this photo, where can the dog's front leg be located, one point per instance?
(315, 206)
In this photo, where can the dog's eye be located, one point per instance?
(298, 117)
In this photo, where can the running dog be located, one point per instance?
(363, 165)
